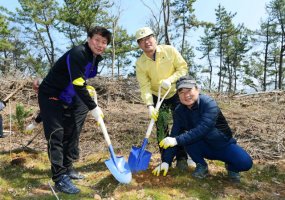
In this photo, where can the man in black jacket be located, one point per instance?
(64, 102)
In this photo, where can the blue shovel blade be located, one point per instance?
(119, 167)
(121, 172)
(139, 159)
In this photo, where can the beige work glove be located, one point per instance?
(168, 142)
(153, 113)
(162, 167)
(97, 113)
(91, 90)
(166, 84)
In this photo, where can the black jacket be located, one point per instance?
(82, 64)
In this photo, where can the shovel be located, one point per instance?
(118, 167)
(139, 158)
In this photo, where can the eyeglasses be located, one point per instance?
(147, 38)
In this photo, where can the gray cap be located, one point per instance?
(185, 82)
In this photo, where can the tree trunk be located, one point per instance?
(166, 13)
(211, 72)
(114, 24)
(280, 70)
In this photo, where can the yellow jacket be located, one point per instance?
(168, 64)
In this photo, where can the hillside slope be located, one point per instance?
(257, 121)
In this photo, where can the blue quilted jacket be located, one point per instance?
(203, 121)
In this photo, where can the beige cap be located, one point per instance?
(143, 32)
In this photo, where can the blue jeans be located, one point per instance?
(233, 155)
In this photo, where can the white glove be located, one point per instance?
(166, 84)
(162, 167)
(31, 127)
(168, 142)
(2, 105)
(97, 113)
(153, 113)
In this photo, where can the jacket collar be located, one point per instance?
(157, 51)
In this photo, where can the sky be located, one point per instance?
(134, 14)
(249, 12)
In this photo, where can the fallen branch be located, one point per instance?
(14, 92)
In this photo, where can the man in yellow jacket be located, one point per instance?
(160, 65)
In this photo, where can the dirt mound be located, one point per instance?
(257, 120)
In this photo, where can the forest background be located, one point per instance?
(225, 55)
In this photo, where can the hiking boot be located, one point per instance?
(234, 176)
(65, 185)
(74, 174)
(201, 171)
(182, 165)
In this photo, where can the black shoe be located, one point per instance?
(234, 176)
(74, 174)
(65, 185)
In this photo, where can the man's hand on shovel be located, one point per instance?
(97, 114)
(153, 113)
(162, 167)
(165, 84)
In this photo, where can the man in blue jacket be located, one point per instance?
(200, 126)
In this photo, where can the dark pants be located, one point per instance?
(164, 121)
(62, 127)
(233, 155)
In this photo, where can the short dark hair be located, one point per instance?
(100, 31)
